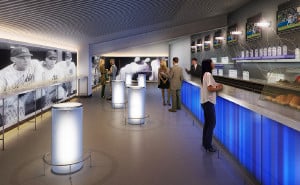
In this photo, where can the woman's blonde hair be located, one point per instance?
(163, 64)
(102, 62)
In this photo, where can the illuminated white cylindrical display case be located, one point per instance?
(136, 105)
(118, 94)
(66, 138)
(142, 80)
(128, 79)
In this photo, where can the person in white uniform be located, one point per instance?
(23, 72)
(51, 74)
(68, 71)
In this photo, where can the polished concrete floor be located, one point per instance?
(165, 151)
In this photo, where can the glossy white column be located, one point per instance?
(136, 105)
(118, 94)
(66, 137)
(142, 80)
(128, 79)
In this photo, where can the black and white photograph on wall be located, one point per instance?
(95, 71)
(10, 107)
(218, 39)
(25, 69)
(253, 31)
(207, 43)
(136, 65)
(193, 47)
(232, 37)
(69, 64)
(199, 45)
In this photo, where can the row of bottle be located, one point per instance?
(264, 52)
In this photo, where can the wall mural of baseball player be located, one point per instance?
(22, 71)
(136, 65)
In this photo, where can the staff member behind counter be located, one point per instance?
(195, 70)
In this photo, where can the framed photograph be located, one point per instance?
(288, 17)
(207, 43)
(232, 39)
(199, 45)
(217, 42)
(193, 47)
(253, 32)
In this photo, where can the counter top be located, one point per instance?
(253, 101)
(265, 83)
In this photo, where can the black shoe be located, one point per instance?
(171, 110)
(211, 149)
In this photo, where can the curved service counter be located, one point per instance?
(262, 135)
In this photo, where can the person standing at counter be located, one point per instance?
(103, 72)
(208, 101)
(195, 70)
(176, 78)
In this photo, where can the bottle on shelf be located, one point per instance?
(279, 51)
(297, 53)
(261, 52)
(269, 51)
(274, 51)
(256, 53)
(265, 52)
(247, 53)
(284, 50)
(251, 53)
(242, 54)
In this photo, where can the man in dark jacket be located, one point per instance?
(195, 70)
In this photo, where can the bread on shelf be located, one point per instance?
(283, 99)
(295, 102)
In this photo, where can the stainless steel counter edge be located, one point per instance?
(289, 122)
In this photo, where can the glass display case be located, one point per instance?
(283, 87)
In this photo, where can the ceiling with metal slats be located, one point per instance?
(76, 21)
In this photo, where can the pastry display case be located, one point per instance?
(283, 87)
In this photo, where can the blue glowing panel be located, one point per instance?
(280, 153)
(269, 150)
(249, 146)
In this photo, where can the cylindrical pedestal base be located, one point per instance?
(66, 138)
(142, 80)
(136, 105)
(128, 79)
(118, 94)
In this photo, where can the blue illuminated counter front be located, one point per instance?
(262, 137)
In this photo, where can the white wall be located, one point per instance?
(84, 69)
(181, 48)
(149, 50)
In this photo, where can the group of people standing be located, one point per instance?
(170, 80)
(107, 75)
